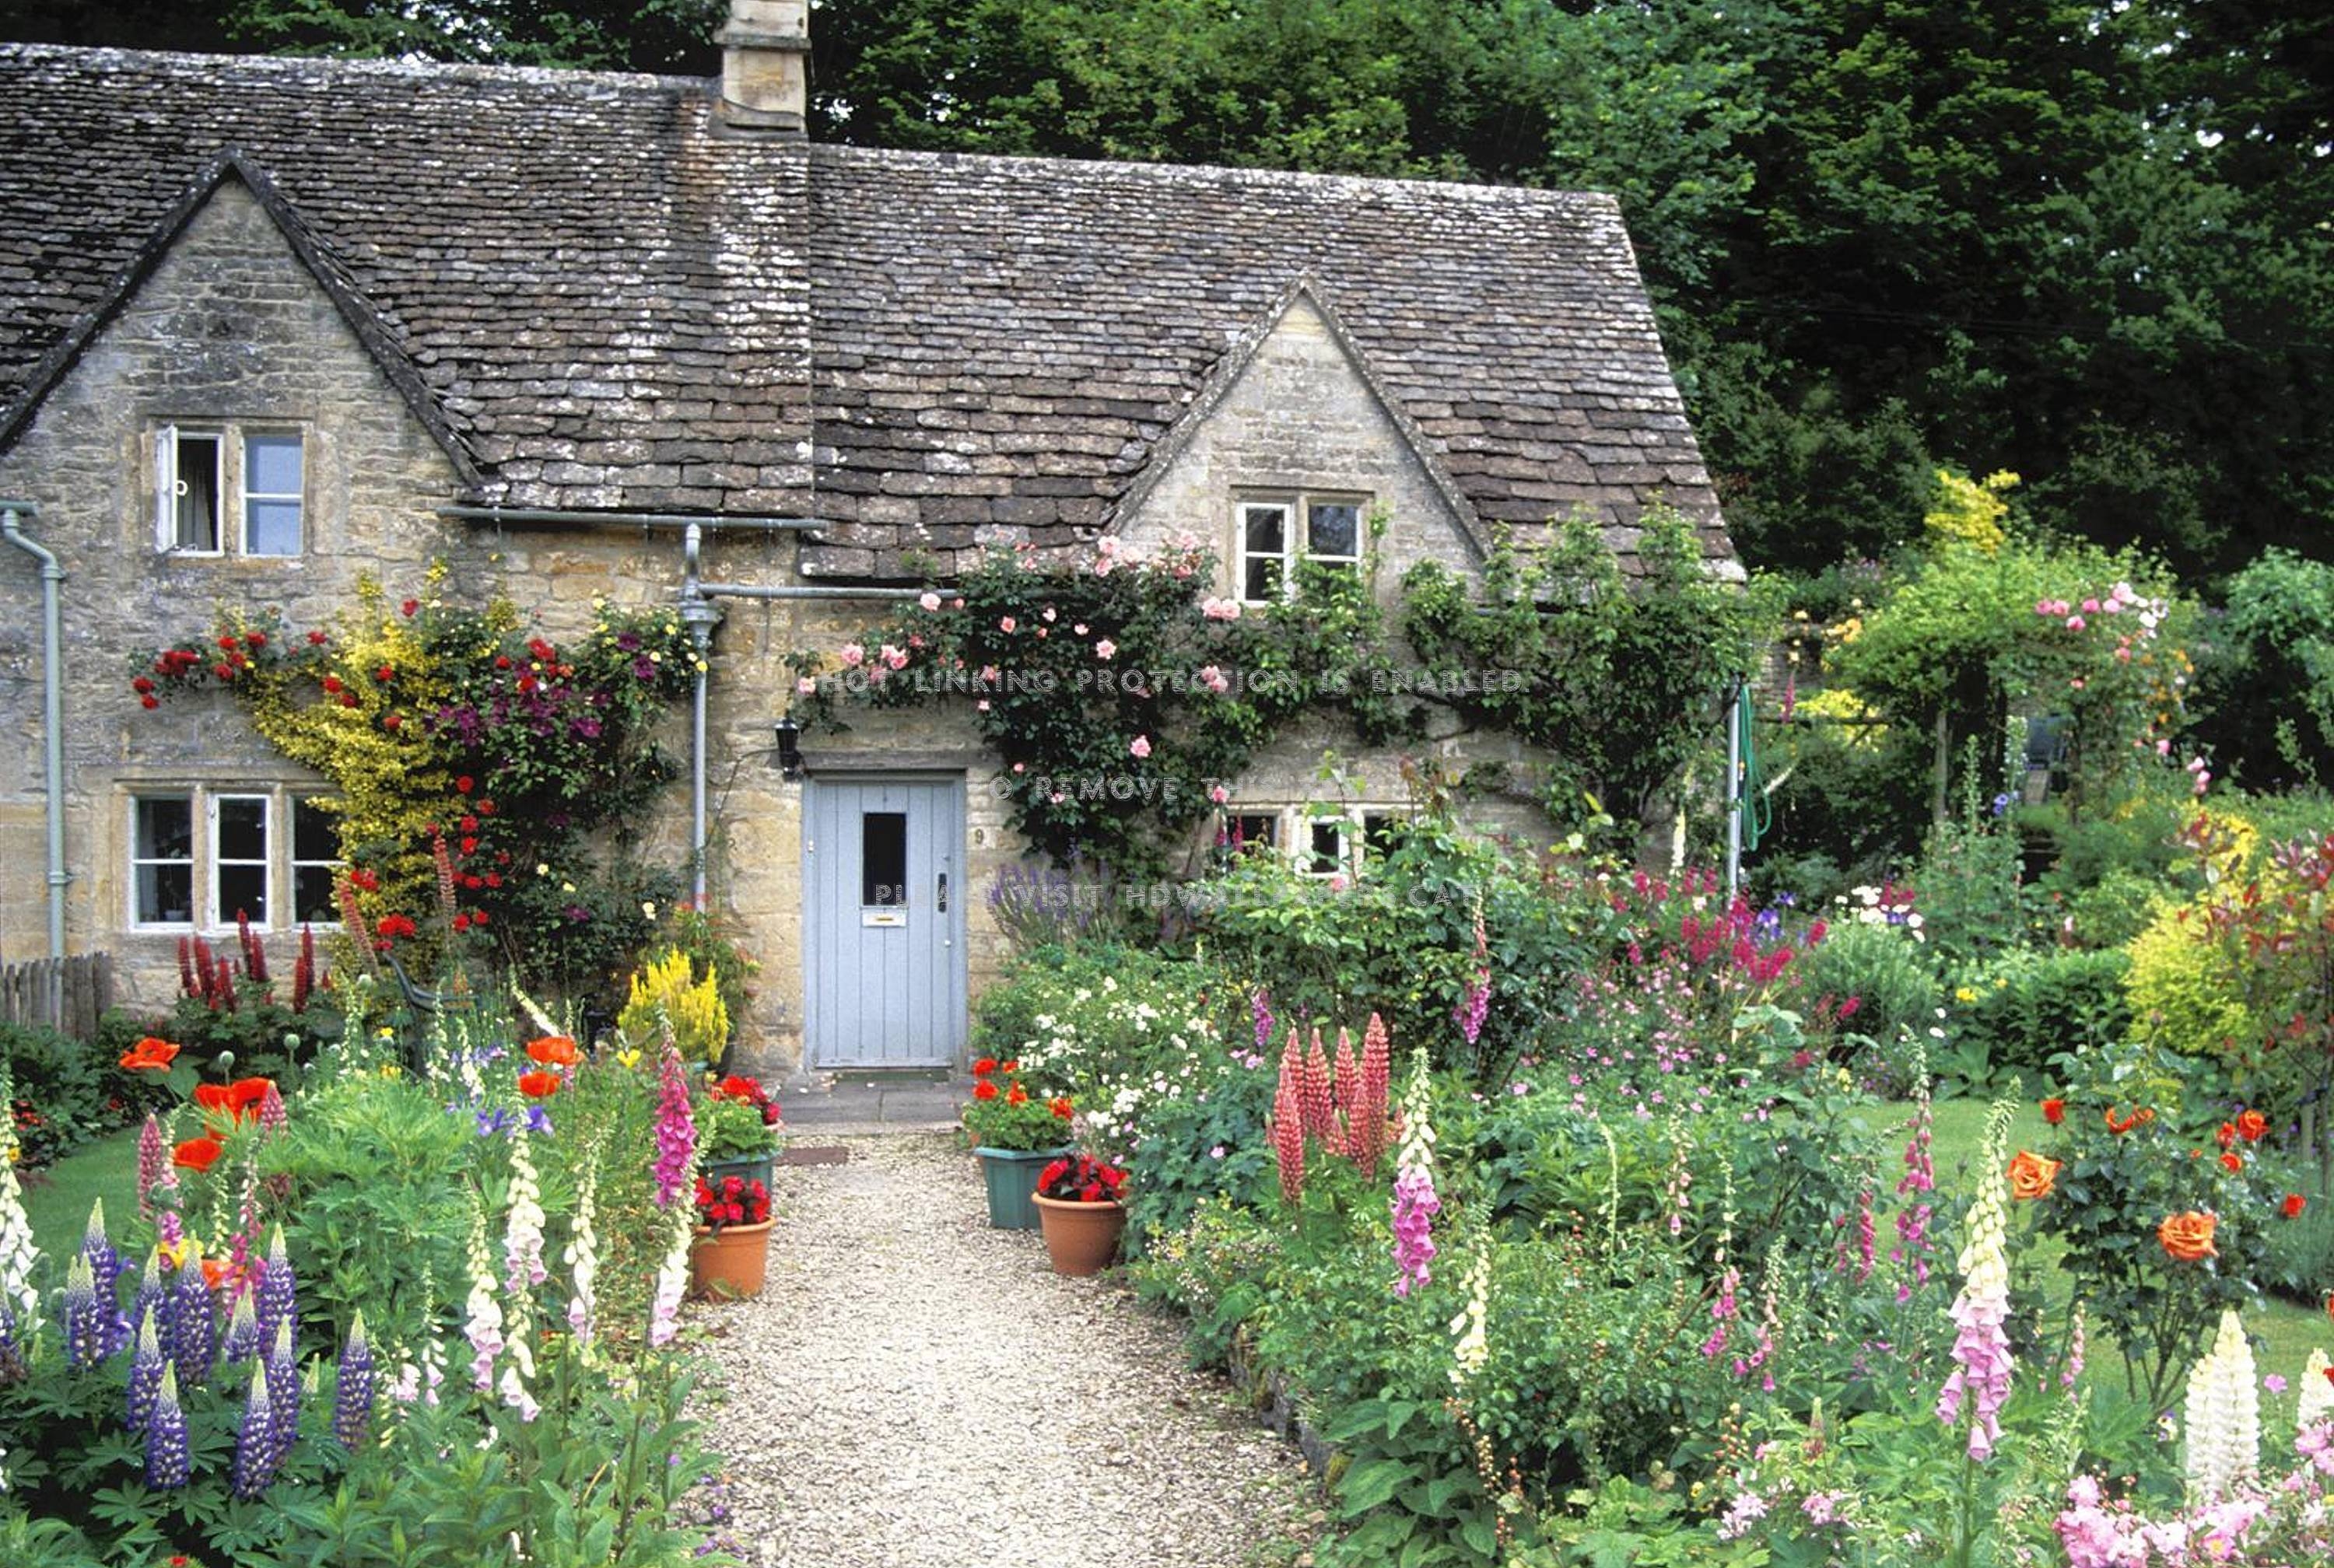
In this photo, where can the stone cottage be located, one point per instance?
(268, 323)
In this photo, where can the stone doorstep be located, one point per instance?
(874, 1103)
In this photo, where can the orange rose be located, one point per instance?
(151, 1055)
(552, 1051)
(538, 1085)
(2232, 1161)
(2252, 1126)
(2032, 1176)
(2187, 1237)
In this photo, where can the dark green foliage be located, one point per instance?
(2028, 1006)
(1884, 969)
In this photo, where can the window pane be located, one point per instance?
(242, 828)
(1327, 848)
(314, 837)
(165, 895)
(1334, 529)
(271, 464)
(1377, 833)
(1255, 830)
(1263, 580)
(166, 828)
(271, 528)
(198, 500)
(312, 896)
(243, 890)
(883, 858)
(1265, 530)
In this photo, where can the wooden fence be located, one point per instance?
(68, 994)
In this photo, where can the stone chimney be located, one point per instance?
(765, 66)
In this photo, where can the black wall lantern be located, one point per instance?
(790, 762)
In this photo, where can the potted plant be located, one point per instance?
(1015, 1133)
(738, 1130)
(733, 1238)
(1079, 1208)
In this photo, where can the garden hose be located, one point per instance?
(1750, 784)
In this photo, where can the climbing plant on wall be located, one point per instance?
(1123, 700)
(531, 760)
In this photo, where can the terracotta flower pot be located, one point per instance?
(727, 1264)
(1081, 1237)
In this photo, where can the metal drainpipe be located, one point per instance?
(702, 615)
(11, 516)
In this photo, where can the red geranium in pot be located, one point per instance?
(733, 1238)
(1078, 1209)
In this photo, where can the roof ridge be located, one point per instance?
(457, 69)
(1194, 173)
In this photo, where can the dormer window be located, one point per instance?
(230, 490)
(1276, 532)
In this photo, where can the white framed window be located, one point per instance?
(162, 859)
(315, 863)
(1322, 839)
(239, 860)
(200, 855)
(223, 489)
(1272, 532)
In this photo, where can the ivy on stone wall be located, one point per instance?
(535, 762)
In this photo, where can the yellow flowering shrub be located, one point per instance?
(667, 990)
(1970, 511)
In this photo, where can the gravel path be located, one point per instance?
(913, 1390)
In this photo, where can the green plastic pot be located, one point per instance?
(1011, 1174)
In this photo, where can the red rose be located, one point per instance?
(2252, 1126)
(2054, 1112)
(470, 824)
(224, 671)
(478, 918)
(2226, 1135)
(392, 722)
(2293, 1206)
(461, 922)
(150, 702)
(385, 674)
(254, 640)
(410, 605)
(227, 643)
(315, 640)
(142, 686)
(348, 700)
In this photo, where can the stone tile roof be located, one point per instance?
(603, 304)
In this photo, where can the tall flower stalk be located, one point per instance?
(581, 1256)
(2223, 1415)
(483, 1322)
(1416, 1201)
(676, 1129)
(1471, 1346)
(166, 1434)
(1982, 1366)
(18, 1255)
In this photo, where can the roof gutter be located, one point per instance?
(13, 515)
(644, 520)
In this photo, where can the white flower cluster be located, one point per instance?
(2223, 1415)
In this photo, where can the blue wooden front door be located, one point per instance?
(884, 975)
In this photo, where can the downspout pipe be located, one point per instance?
(13, 516)
(701, 615)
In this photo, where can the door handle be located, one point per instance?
(943, 893)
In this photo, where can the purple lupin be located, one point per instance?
(147, 1365)
(255, 1441)
(283, 1398)
(105, 1267)
(353, 1399)
(166, 1436)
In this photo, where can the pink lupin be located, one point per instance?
(1320, 1112)
(153, 1163)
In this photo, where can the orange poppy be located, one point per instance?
(2187, 1237)
(197, 1153)
(2032, 1175)
(2252, 1126)
(553, 1051)
(152, 1055)
(538, 1085)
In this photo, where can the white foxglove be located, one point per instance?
(581, 1256)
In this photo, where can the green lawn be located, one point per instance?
(2288, 1333)
(57, 1199)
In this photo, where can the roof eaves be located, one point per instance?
(354, 308)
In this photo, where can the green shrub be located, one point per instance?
(2027, 1007)
(1883, 967)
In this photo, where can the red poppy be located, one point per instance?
(2054, 1110)
(2293, 1206)
(197, 1153)
(538, 1085)
(553, 1051)
(2252, 1126)
(984, 1089)
(151, 1055)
